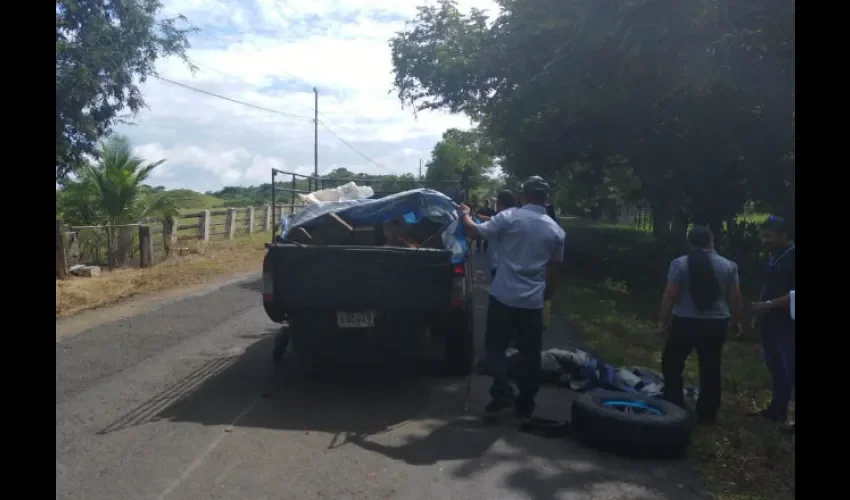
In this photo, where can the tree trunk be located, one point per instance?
(661, 218)
(679, 229)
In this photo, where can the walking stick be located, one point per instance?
(468, 392)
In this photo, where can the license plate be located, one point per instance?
(355, 320)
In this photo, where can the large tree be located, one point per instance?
(458, 153)
(665, 92)
(104, 49)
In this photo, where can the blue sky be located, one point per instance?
(271, 53)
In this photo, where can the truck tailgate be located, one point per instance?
(352, 278)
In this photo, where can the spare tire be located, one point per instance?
(632, 425)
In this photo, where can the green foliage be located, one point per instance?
(461, 152)
(188, 199)
(112, 191)
(103, 50)
(672, 102)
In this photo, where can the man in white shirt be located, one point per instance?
(531, 250)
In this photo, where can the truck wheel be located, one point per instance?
(460, 343)
(281, 344)
(632, 425)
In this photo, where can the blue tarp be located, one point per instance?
(413, 205)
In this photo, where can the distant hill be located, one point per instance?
(188, 199)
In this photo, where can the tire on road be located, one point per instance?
(632, 425)
(460, 343)
(281, 344)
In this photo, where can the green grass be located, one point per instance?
(187, 199)
(612, 295)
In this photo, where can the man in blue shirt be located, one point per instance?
(531, 250)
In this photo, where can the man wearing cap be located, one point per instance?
(531, 250)
(772, 316)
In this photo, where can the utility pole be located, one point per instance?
(420, 169)
(316, 132)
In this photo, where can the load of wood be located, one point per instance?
(331, 229)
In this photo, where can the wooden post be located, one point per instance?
(61, 261)
(145, 247)
(231, 223)
(250, 220)
(204, 226)
(169, 234)
(267, 221)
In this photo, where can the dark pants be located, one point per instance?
(523, 328)
(778, 340)
(481, 243)
(706, 336)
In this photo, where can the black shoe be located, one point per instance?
(499, 405)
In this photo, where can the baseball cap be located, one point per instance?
(535, 185)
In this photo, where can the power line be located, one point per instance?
(241, 80)
(340, 139)
(236, 101)
(229, 75)
(269, 110)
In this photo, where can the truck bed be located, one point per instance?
(352, 278)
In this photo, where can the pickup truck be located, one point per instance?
(372, 301)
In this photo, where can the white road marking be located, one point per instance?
(200, 460)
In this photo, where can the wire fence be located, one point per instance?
(109, 246)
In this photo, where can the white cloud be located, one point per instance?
(270, 53)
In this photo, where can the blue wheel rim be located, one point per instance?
(633, 407)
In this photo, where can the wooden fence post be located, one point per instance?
(205, 226)
(250, 220)
(231, 223)
(169, 234)
(145, 247)
(61, 261)
(267, 222)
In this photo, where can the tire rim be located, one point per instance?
(633, 407)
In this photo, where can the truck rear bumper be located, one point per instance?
(395, 334)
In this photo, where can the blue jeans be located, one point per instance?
(779, 343)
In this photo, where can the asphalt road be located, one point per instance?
(182, 402)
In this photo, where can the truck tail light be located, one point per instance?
(458, 286)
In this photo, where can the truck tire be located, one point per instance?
(281, 344)
(460, 343)
(632, 425)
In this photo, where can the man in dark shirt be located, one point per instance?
(773, 316)
(488, 212)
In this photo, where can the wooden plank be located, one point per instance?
(61, 260)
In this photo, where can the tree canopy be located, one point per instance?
(104, 49)
(687, 104)
(460, 152)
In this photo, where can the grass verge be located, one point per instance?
(219, 258)
(742, 457)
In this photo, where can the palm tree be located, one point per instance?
(118, 178)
